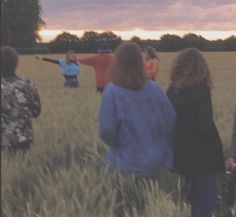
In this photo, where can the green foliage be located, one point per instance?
(64, 174)
(88, 43)
(34, 50)
(66, 37)
(170, 42)
(193, 40)
(20, 22)
(230, 43)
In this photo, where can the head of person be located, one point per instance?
(9, 61)
(104, 47)
(128, 67)
(150, 53)
(188, 69)
(71, 56)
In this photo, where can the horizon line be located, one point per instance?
(48, 35)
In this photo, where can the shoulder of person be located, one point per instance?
(28, 83)
(62, 61)
(156, 88)
(110, 87)
(154, 60)
(154, 84)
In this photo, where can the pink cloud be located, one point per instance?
(145, 14)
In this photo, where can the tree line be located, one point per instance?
(21, 21)
(90, 42)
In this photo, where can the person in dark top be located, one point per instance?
(70, 68)
(198, 153)
(20, 103)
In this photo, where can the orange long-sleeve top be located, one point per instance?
(101, 64)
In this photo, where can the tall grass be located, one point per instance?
(64, 174)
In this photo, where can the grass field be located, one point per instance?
(63, 175)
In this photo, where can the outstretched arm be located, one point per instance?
(89, 61)
(47, 59)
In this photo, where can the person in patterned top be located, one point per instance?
(20, 103)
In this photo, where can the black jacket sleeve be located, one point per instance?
(205, 121)
(51, 60)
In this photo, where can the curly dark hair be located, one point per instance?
(190, 68)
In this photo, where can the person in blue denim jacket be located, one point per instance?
(135, 119)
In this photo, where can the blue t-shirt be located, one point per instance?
(71, 69)
(137, 126)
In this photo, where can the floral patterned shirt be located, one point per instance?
(20, 103)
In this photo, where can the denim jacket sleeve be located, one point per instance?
(108, 121)
(170, 121)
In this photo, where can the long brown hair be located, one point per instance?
(190, 68)
(128, 67)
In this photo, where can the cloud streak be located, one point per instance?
(154, 15)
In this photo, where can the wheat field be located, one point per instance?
(64, 174)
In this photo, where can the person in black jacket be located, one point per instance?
(198, 153)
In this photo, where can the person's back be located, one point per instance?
(195, 132)
(20, 103)
(135, 120)
(136, 117)
(146, 119)
(198, 151)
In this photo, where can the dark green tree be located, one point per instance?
(229, 44)
(137, 40)
(170, 42)
(20, 22)
(66, 37)
(193, 40)
(110, 36)
(90, 36)
(65, 41)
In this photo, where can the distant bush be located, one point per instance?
(33, 50)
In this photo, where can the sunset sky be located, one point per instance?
(212, 19)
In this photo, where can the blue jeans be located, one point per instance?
(202, 195)
(71, 83)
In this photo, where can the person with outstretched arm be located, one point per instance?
(101, 63)
(70, 68)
